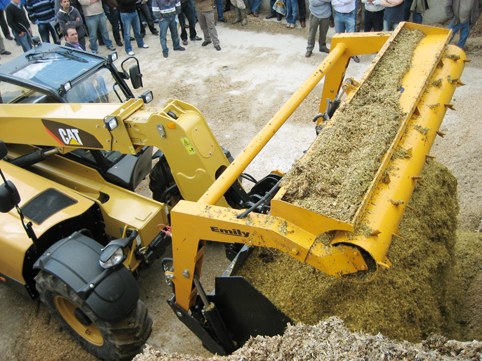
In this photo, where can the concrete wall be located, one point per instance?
(436, 13)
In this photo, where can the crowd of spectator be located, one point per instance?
(77, 19)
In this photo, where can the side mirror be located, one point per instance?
(136, 76)
(9, 197)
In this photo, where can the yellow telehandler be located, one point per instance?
(79, 238)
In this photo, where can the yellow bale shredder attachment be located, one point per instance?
(226, 319)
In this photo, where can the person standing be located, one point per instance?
(42, 12)
(273, 14)
(393, 14)
(416, 7)
(18, 22)
(463, 14)
(240, 11)
(95, 19)
(130, 19)
(68, 16)
(254, 7)
(320, 13)
(219, 9)
(72, 39)
(205, 15)
(291, 13)
(143, 9)
(344, 15)
(187, 12)
(111, 9)
(165, 11)
(345, 11)
(373, 17)
(3, 22)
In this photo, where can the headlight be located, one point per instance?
(114, 259)
(147, 96)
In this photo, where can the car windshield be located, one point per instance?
(57, 67)
(96, 88)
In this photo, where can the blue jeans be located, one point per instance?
(131, 19)
(254, 5)
(114, 18)
(93, 23)
(345, 22)
(464, 33)
(389, 25)
(44, 29)
(291, 11)
(164, 24)
(219, 8)
(23, 40)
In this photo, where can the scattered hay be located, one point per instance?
(331, 340)
(333, 177)
(406, 302)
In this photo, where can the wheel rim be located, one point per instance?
(91, 333)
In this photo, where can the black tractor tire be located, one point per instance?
(160, 179)
(107, 341)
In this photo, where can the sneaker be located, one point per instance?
(184, 42)
(5, 52)
(130, 53)
(165, 55)
(180, 49)
(155, 32)
(205, 43)
(196, 38)
(145, 46)
(270, 16)
(308, 53)
(119, 43)
(111, 48)
(217, 47)
(223, 20)
(8, 37)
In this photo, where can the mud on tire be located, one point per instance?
(107, 341)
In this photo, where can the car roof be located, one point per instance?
(49, 65)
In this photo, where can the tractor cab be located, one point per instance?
(51, 73)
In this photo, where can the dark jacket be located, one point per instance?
(67, 19)
(16, 18)
(127, 6)
(111, 4)
(452, 11)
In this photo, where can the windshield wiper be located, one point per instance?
(44, 56)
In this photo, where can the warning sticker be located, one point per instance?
(187, 144)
